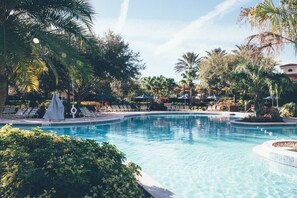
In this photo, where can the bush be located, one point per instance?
(157, 106)
(38, 164)
(289, 110)
(269, 115)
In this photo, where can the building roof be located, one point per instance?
(289, 65)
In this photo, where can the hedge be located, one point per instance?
(39, 164)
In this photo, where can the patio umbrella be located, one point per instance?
(213, 97)
(55, 110)
(271, 98)
(143, 96)
(184, 97)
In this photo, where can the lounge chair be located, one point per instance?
(123, 108)
(110, 108)
(8, 109)
(129, 108)
(87, 113)
(187, 108)
(181, 108)
(20, 113)
(32, 113)
(144, 108)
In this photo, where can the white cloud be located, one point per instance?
(123, 16)
(182, 35)
(145, 36)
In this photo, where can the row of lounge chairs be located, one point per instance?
(13, 112)
(178, 108)
(125, 108)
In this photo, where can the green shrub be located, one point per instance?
(38, 164)
(269, 115)
(289, 110)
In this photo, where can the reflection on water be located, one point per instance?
(161, 128)
(189, 128)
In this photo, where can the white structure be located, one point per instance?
(290, 70)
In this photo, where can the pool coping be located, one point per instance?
(104, 118)
(153, 187)
(286, 122)
(277, 154)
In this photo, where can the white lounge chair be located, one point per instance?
(86, 112)
(20, 113)
(32, 113)
(9, 109)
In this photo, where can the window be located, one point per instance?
(290, 70)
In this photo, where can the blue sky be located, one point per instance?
(162, 30)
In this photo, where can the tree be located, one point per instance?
(48, 23)
(116, 59)
(189, 61)
(188, 79)
(214, 69)
(158, 86)
(257, 76)
(278, 84)
(109, 58)
(277, 24)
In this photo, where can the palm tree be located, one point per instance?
(188, 79)
(49, 24)
(158, 86)
(189, 61)
(258, 76)
(278, 83)
(277, 23)
(213, 69)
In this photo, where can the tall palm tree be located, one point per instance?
(188, 79)
(278, 83)
(216, 52)
(189, 61)
(277, 23)
(213, 69)
(49, 24)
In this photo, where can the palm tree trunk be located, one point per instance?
(259, 105)
(191, 96)
(3, 89)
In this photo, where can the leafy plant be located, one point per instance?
(38, 164)
(269, 115)
(289, 110)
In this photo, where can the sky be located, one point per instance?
(163, 30)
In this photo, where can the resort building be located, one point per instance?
(291, 70)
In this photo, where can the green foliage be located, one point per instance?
(189, 61)
(38, 164)
(269, 115)
(289, 110)
(214, 69)
(158, 86)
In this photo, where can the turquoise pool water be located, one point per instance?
(198, 155)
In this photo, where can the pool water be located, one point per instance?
(198, 155)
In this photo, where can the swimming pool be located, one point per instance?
(198, 155)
